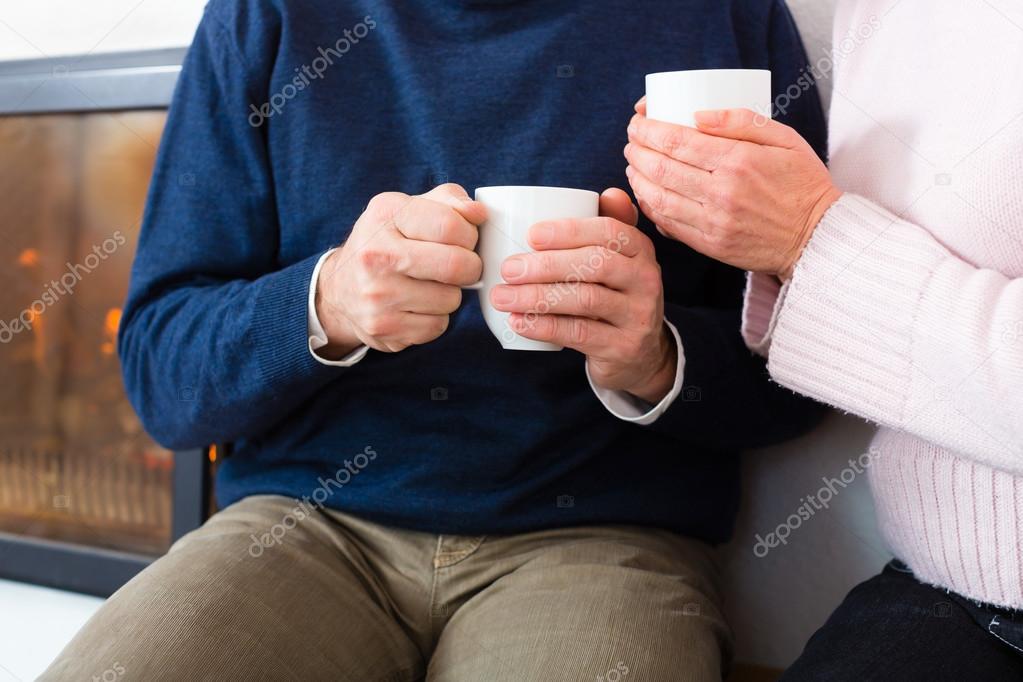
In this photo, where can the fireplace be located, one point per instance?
(87, 499)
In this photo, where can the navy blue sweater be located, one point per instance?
(289, 117)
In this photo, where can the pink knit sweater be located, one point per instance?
(907, 305)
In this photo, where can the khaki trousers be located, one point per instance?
(259, 593)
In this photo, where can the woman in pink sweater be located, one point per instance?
(891, 288)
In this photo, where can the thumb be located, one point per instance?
(745, 124)
(615, 203)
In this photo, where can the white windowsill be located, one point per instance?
(35, 624)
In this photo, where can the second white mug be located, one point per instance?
(674, 96)
(511, 211)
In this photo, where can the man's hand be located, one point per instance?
(398, 276)
(594, 285)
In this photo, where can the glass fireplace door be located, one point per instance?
(76, 467)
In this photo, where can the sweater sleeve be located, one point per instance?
(883, 321)
(213, 341)
(728, 402)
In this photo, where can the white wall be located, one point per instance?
(50, 28)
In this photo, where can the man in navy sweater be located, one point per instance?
(405, 499)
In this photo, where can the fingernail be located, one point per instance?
(709, 119)
(629, 172)
(513, 267)
(502, 295)
(631, 129)
(541, 234)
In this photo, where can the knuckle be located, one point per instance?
(658, 199)
(589, 298)
(718, 240)
(438, 325)
(579, 331)
(453, 189)
(475, 267)
(447, 267)
(650, 280)
(674, 141)
(609, 227)
(641, 315)
(376, 296)
(644, 243)
(450, 228)
(380, 326)
(375, 259)
(545, 263)
(385, 204)
(660, 170)
(723, 195)
(454, 299)
(738, 159)
(720, 221)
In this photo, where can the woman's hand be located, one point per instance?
(740, 188)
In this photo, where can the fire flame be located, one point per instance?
(28, 258)
(110, 325)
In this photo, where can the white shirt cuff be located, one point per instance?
(628, 407)
(317, 335)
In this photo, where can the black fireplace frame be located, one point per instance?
(99, 571)
(78, 83)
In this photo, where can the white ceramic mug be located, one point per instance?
(511, 211)
(674, 96)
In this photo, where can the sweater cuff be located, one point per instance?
(279, 328)
(762, 302)
(844, 330)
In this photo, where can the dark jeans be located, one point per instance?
(893, 627)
